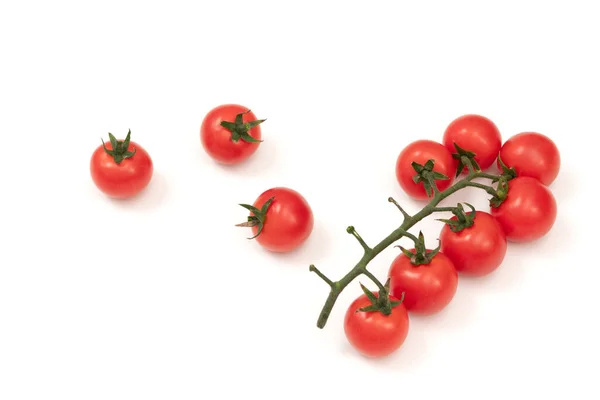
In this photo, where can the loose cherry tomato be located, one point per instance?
(428, 288)
(372, 333)
(121, 168)
(477, 134)
(281, 219)
(230, 133)
(532, 154)
(528, 211)
(478, 249)
(420, 152)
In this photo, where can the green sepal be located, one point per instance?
(507, 172)
(381, 304)
(460, 153)
(120, 148)
(501, 193)
(259, 217)
(420, 255)
(424, 173)
(239, 129)
(463, 220)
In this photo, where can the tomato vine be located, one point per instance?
(425, 174)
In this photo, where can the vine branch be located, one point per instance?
(336, 287)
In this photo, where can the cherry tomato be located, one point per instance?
(528, 212)
(121, 168)
(373, 333)
(532, 154)
(477, 134)
(420, 152)
(428, 288)
(230, 133)
(281, 219)
(476, 250)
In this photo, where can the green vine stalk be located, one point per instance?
(425, 174)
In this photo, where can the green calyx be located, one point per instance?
(119, 151)
(239, 129)
(463, 220)
(502, 179)
(507, 173)
(258, 218)
(501, 192)
(381, 303)
(420, 255)
(427, 175)
(460, 153)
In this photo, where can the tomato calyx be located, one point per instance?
(239, 129)
(507, 172)
(428, 176)
(501, 193)
(381, 303)
(120, 148)
(465, 159)
(463, 220)
(259, 217)
(420, 255)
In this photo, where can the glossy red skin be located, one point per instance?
(532, 154)
(123, 180)
(528, 212)
(374, 334)
(420, 151)
(289, 220)
(427, 288)
(477, 250)
(216, 140)
(474, 133)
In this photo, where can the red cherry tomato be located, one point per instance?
(427, 288)
(420, 152)
(528, 212)
(121, 168)
(230, 133)
(476, 250)
(373, 333)
(281, 219)
(477, 134)
(532, 154)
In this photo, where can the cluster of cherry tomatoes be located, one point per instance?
(422, 281)
(472, 243)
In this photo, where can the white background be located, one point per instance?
(163, 298)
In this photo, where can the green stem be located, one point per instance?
(376, 281)
(487, 188)
(409, 221)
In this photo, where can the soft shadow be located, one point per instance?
(412, 352)
(563, 185)
(151, 197)
(265, 157)
(316, 248)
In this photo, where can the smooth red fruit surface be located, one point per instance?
(533, 155)
(477, 250)
(289, 220)
(420, 152)
(372, 333)
(477, 134)
(528, 212)
(125, 179)
(217, 140)
(428, 288)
